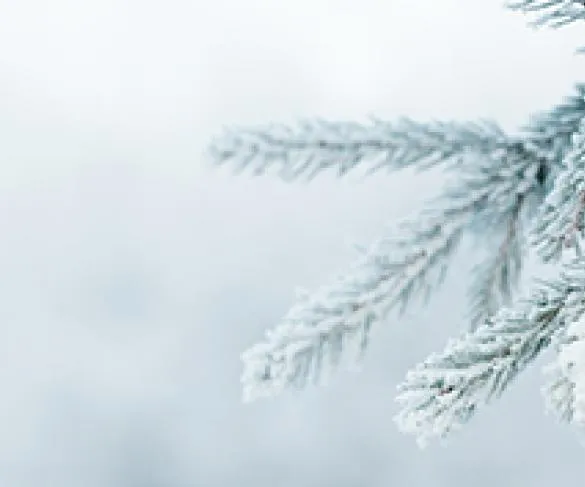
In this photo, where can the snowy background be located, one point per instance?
(132, 275)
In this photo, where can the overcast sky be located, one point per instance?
(132, 275)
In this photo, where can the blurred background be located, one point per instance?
(132, 274)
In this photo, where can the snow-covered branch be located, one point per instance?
(314, 146)
(318, 145)
(335, 322)
(443, 393)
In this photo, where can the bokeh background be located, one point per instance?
(132, 274)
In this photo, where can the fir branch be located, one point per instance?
(315, 146)
(444, 392)
(318, 145)
(554, 13)
(335, 322)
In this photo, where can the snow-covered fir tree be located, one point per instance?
(527, 189)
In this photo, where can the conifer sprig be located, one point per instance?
(443, 393)
(314, 146)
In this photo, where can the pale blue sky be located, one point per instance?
(133, 276)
